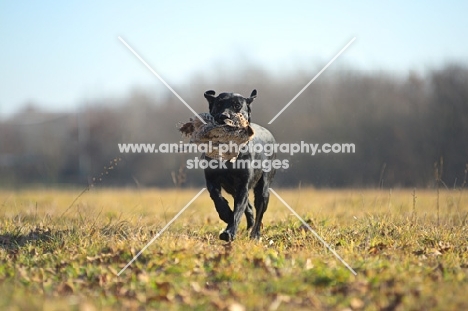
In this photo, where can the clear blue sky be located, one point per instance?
(60, 53)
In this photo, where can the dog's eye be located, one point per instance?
(238, 107)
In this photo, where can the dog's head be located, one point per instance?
(224, 105)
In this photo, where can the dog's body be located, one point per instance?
(238, 181)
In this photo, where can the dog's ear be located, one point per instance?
(253, 95)
(210, 97)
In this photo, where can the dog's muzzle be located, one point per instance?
(221, 117)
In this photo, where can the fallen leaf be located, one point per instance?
(356, 304)
(64, 289)
(235, 306)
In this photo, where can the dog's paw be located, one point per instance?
(226, 236)
(255, 236)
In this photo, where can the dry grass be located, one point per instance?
(403, 258)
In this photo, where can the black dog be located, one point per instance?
(238, 181)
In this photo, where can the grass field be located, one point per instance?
(410, 252)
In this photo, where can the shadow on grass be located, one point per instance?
(12, 241)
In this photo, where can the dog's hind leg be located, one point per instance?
(262, 197)
(250, 216)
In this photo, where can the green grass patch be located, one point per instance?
(407, 255)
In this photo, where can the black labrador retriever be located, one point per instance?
(237, 181)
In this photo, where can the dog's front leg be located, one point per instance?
(221, 204)
(241, 200)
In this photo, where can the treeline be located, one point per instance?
(409, 131)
